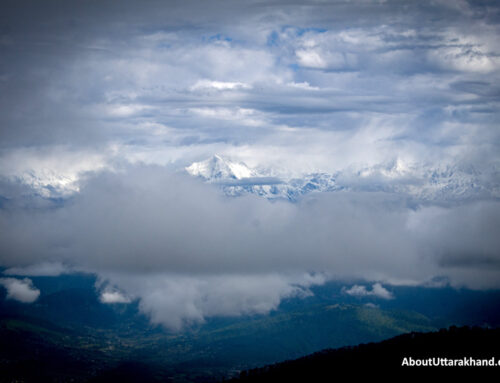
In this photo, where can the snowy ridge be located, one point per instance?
(236, 178)
(421, 183)
(442, 184)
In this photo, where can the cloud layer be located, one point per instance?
(187, 252)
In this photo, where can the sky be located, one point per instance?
(103, 104)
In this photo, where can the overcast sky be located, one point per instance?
(103, 102)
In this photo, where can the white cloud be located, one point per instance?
(219, 85)
(176, 301)
(126, 110)
(310, 58)
(21, 290)
(377, 291)
(45, 269)
(302, 85)
(242, 116)
(463, 59)
(470, 52)
(113, 296)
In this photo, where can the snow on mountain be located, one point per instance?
(46, 183)
(218, 168)
(236, 178)
(423, 184)
(435, 184)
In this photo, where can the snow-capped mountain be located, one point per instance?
(236, 178)
(423, 184)
(419, 183)
(218, 168)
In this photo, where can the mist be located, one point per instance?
(187, 252)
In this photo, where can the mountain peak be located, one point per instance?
(220, 168)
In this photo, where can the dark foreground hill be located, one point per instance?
(41, 347)
(469, 349)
